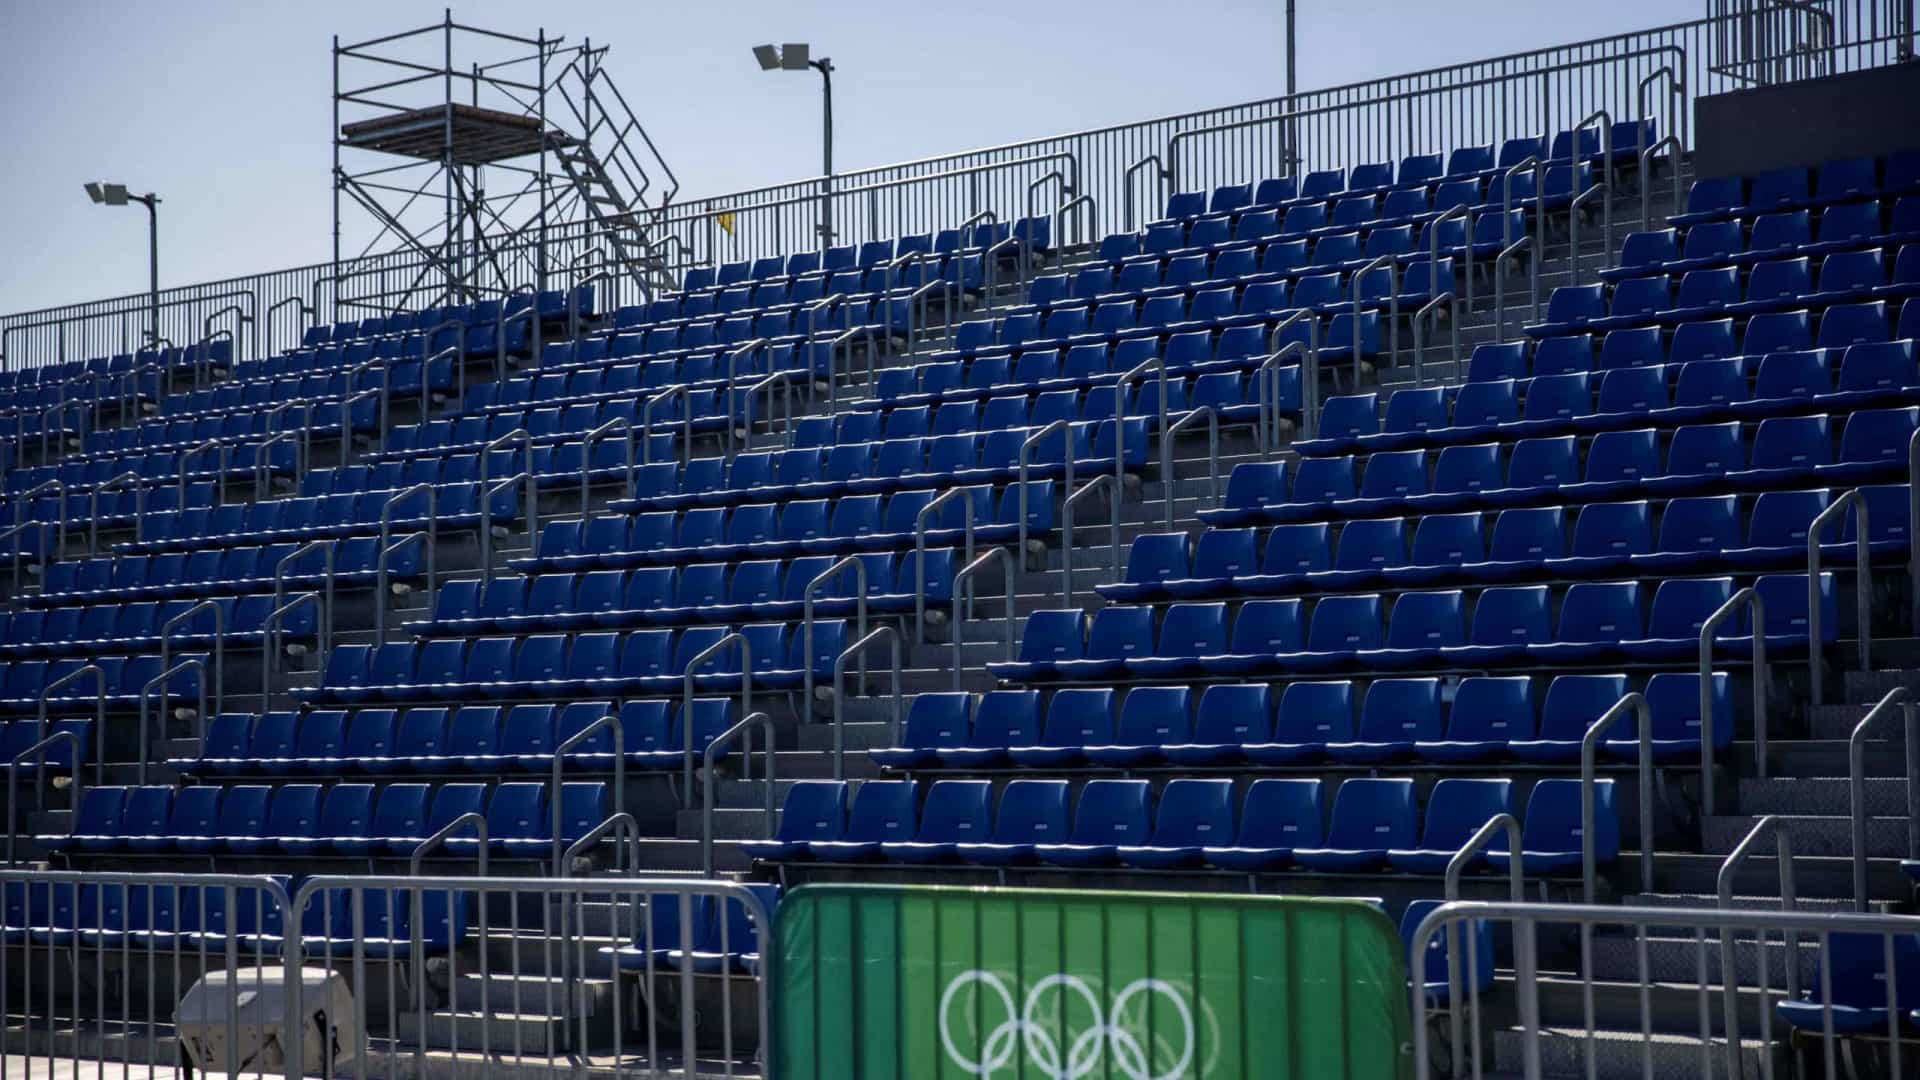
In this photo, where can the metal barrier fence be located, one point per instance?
(1664, 993)
(385, 976)
(1084, 180)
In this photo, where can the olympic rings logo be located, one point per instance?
(1031, 1029)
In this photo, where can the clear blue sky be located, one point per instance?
(221, 106)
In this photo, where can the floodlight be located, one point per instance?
(794, 56)
(768, 56)
(94, 192)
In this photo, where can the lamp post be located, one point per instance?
(117, 195)
(797, 56)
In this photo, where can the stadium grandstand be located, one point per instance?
(1411, 579)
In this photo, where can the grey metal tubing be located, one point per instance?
(346, 412)
(99, 699)
(219, 650)
(1862, 589)
(1913, 523)
(825, 304)
(610, 720)
(220, 477)
(191, 663)
(920, 552)
(884, 631)
(1134, 374)
(262, 467)
(1524, 951)
(742, 731)
(1266, 380)
(918, 295)
(532, 498)
(1060, 221)
(1390, 263)
(271, 630)
(530, 314)
(1606, 140)
(1762, 680)
(459, 367)
(1507, 254)
(1539, 168)
(1857, 783)
(1465, 215)
(920, 259)
(1432, 309)
(733, 380)
(13, 532)
(1309, 371)
(628, 857)
(306, 425)
(1676, 105)
(680, 391)
(130, 479)
(472, 818)
(38, 750)
(433, 520)
(845, 562)
(305, 309)
(1187, 419)
(618, 423)
(381, 575)
(1160, 177)
(963, 594)
(783, 380)
(1026, 447)
(517, 435)
(1599, 188)
(686, 700)
(1771, 825)
(280, 575)
(1104, 480)
(988, 275)
(1646, 178)
(1589, 744)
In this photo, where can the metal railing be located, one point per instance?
(884, 632)
(38, 753)
(1775, 826)
(164, 683)
(1434, 309)
(1167, 480)
(920, 520)
(1531, 922)
(1525, 961)
(1899, 697)
(963, 603)
(733, 638)
(1746, 598)
(608, 722)
(819, 581)
(1856, 501)
(1635, 704)
(742, 733)
(1102, 482)
(219, 648)
(1309, 371)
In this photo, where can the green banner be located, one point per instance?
(879, 981)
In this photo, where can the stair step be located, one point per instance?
(1812, 835)
(1677, 959)
(1622, 1055)
(1805, 795)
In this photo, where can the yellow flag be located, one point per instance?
(724, 219)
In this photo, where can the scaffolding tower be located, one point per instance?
(478, 163)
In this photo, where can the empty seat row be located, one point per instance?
(695, 593)
(1479, 719)
(119, 684)
(1775, 235)
(1030, 233)
(547, 304)
(440, 741)
(692, 933)
(1695, 534)
(1374, 825)
(131, 627)
(1787, 452)
(1840, 180)
(560, 665)
(1598, 622)
(338, 516)
(345, 819)
(1707, 338)
(217, 571)
(1656, 395)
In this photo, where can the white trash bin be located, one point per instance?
(251, 1007)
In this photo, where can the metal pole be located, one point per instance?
(1293, 143)
(825, 66)
(152, 201)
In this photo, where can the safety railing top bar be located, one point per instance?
(1103, 152)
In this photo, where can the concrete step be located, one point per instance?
(1624, 1055)
(1737, 903)
(1812, 835)
(532, 994)
(137, 1044)
(1868, 687)
(498, 1030)
(742, 821)
(1677, 959)
(1820, 795)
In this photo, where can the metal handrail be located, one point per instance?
(433, 519)
(1646, 178)
(839, 345)
(21, 501)
(164, 681)
(743, 731)
(1190, 417)
(1509, 253)
(1103, 480)
(618, 423)
(919, 259)
(1857, 784)
(1059, 225)
(1747, 597)
(981, 217)
(859, 568)
(1599, 188)
(1516, 892)
(532, 511)
(219, 648)
(439, 839)
(1309, 371)
(733, 380)
(39, 750)
(1432, 310)
(1606, 138)
(305, 430)
(1389, 263)
(782, 380)
(382, 574)
(1160, 176)
(892, 637)
(963, 594)
(263, 462)
(580, 284)
(1032, 440)
(1676, 102)
(325, 547)
(99, 698)
(1539, 169)
(1776, 826)
(271, 629)
(305, 309)
(734, 637)
(920, 551)
(1855, 500)
(186, 456)
(13, 532)
(1589, 744)
(609, 720)
(1151, 365)
(1266, 381)
(680, 391)
(619, 821)
(129, 478)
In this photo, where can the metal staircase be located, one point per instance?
(605, 155)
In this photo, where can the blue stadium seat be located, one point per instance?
(1487, 713)
(1551, 832)
(1572, 704)
(1858, 986)
(1111, 813)
(1370, 818)
(1031, 813)
(1002, 719)
(956, 812)
(1456, 809)
(882, 811)
(934, 722)
(1278, 817)
(1193, 813)
(815, 811)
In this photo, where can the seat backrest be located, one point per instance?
(1401, 710)
(957, 811)
(1032, 812)
(1457, 808)
(1574, 702)
(518, 811)
(1007, 718)
(1315, 712)
(1553, 819)
(884, 810)
(346, 810)
(1491, 708)
(1080, 716)
(1372, 814)
(295, 811)
(1194, 812)
(1112, 812)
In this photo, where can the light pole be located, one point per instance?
(797, 56)
(117, 195)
